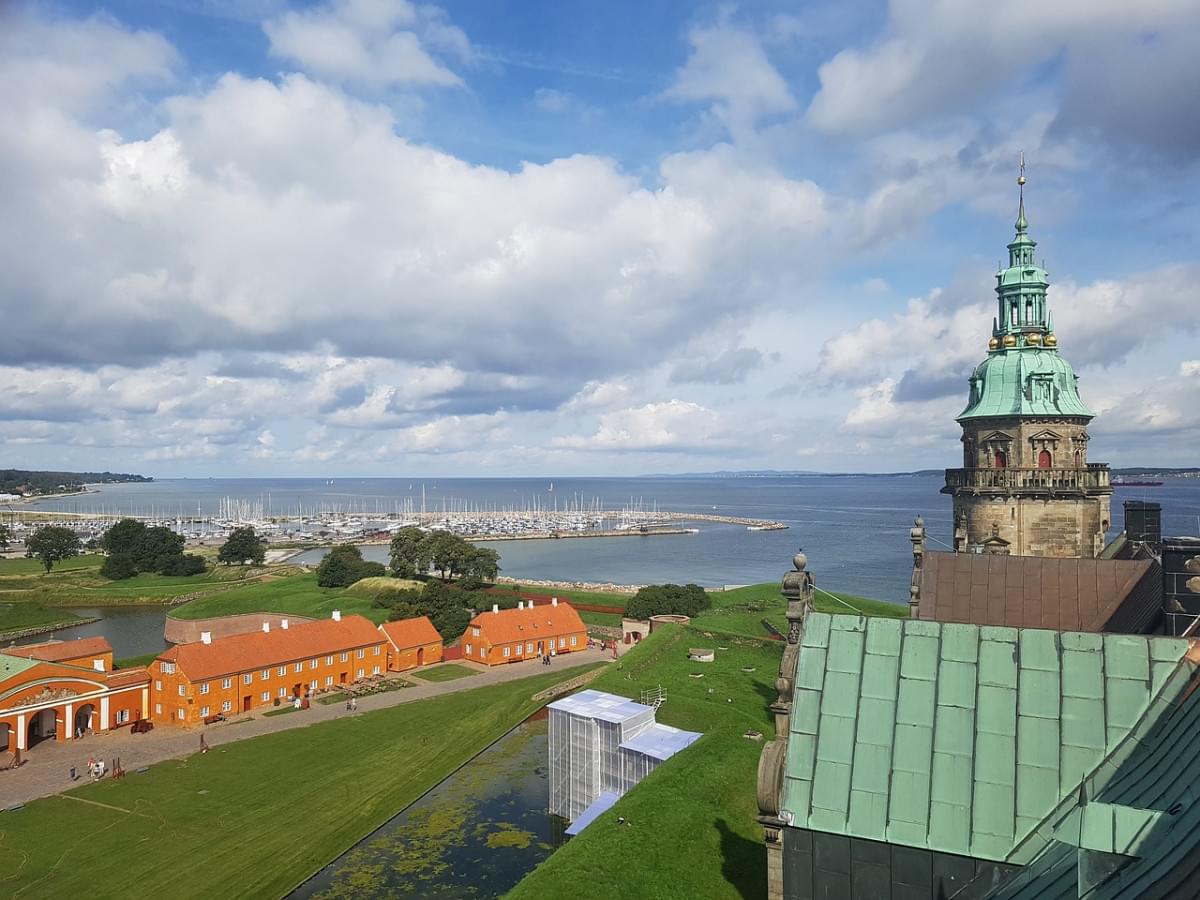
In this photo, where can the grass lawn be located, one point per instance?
(132, 662)
(296, 594)
(253, 818)
(599, 598)
(444, 672)
(691, 829)
(741, 610)
(26, 614)
(284, 709)
(595, 618)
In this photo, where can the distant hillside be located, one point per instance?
(32, 483)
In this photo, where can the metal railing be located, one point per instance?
(1096, 477)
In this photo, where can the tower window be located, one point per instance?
(1000, 460)
(1044, 460)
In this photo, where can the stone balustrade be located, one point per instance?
(1095, 478)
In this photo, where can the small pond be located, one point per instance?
(132, 630)
(475, 835)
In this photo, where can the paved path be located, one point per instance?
(47, 765)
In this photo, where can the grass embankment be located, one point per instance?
(26, 614)
(446, 672)
(134, 662)
(691, 829)
(741, 610)
(256, 817)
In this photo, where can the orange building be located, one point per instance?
(411, 643)
(235, 674)
(64, 690)
(527, 632)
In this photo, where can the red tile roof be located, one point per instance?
(56, 651)
(126, 677)
(262, 649)
(509, 626)
(406, 633)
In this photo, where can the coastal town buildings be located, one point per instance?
(62, 690)
(1026, 483)
(411, 643)
(527, 632)
(196, 681)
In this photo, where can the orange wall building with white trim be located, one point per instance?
(527, 632)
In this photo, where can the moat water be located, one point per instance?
(473, 836)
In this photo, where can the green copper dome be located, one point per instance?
(1024, 382)
(1023, 374)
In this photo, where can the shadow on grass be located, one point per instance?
(743, 862)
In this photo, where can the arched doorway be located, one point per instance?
(42, 725)
(420, 656)
(1044, 459)
(83, 719)
(1000, 461)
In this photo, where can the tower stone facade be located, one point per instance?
(1026, 486)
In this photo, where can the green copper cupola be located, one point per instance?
(1021, 287)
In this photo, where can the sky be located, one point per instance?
(522, 237)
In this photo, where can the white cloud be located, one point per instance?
(553, 101)
(371, 42)
(1190, 368)
(671, 425)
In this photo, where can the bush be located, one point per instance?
(181, 564)
(668, 599)
(118, 567)
(242, 546)
(344, 565)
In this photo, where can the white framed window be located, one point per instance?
(266, 696)
(226, 683)
(282, 671)
(158, 709)
(226, 706)
(283, 692)
(204, 688)
(376, 671)
(181, 714)
(181, 693)
(299, 667)
(312, 663)
(362, 653)
(345, 657)
(519, 649)
(247, 678)
(312, 685)
(562, 642)
(482, 652)
(529, 648)
(362, 673)
(468, 649)
(158, 685)
(266, 674)
(167, 668)
(329, 660)
(573, 640)
(204, 712)
(328, 680)
(474, 632)
(377, 649)
(507, 651)
(122, 716)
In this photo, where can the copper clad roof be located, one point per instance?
(406, 633)
(55, 651)
(260, 650)
(1038, 592)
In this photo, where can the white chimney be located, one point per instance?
(206, 637)
(337, 615)
(495, 607)
(283, 624)
(554, 601)
(520, 604)
(266, 626)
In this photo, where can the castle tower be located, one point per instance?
(1026, 486)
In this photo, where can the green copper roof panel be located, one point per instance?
(1024, 381)
(14, 665)
(956, 737)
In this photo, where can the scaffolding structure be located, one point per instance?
(601, 743)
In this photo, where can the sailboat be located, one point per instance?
(551, 486)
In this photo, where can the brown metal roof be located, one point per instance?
(1037, 592)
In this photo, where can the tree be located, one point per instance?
(344, 565)
(446, 552)
(5, 537)
(123, 537)
(668, 599)
(242, 546)
(482, 563)
(405, 551)
(446, 608)
(181, 564)
(118, 566)
(156, 547)
(51, 544)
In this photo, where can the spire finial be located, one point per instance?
(1022, 225)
